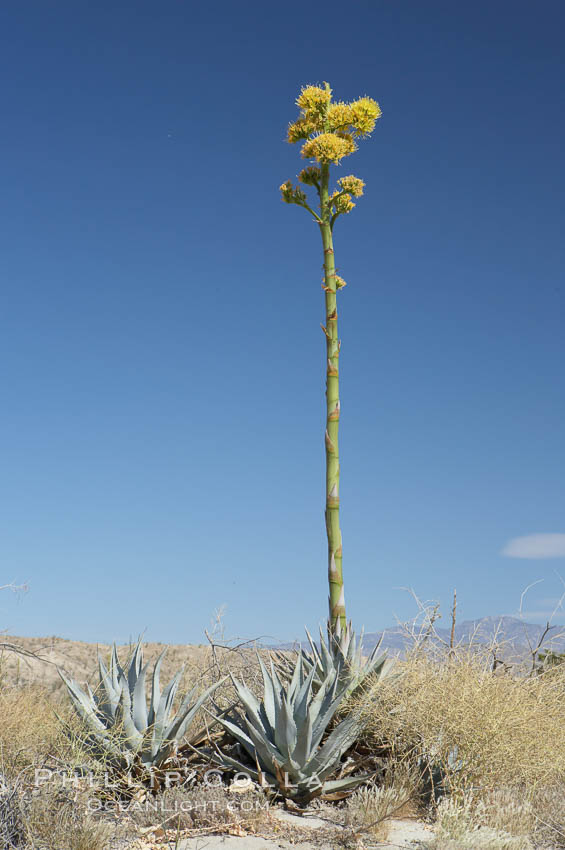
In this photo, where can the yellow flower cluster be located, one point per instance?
(353, 185)
(301, 129)
(310, 176)
(341, 203)
(329, 132)
(320, 115)
(314, 99)
(328, 147)
(339, 116)
(364, 114)
(339, 282)
(292, 195)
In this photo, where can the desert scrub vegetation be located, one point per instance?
(481, 754)
(38, 736)
(482, 728)
(47, 758)
(206, 807)
(490, 747)
(36, 732)
(59, 821)
(371, 808)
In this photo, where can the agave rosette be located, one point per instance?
(120, 725)
(282, 734)
(340, 653)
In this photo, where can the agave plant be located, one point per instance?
(120, 726)
(282, 734)
(340, 654)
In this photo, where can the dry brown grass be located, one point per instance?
(30, 733)
(459, 827)
(502, 819)
(483, 731)
(202, 808)
(497, 729)
(370, 809)
(50, 818)
(61, 822)
(32, 737)
(498, 741)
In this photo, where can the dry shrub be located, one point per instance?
(549, 812)
(30, 733)
(486, 731)
(12, 829)
(496, 743)
(200, 807)
(31, 817)
(221, 661)
(49, 819)
(58, 822)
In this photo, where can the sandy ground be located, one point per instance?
(402, 834)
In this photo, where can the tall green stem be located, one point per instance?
(329, 132)
(335, 575)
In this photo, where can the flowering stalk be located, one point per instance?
(329, 131)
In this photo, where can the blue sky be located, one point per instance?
(162, 362)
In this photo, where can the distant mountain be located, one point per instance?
(516, 638)
(516, 634)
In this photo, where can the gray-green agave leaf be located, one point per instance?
(339, 653)
(282, 734)
(120, 725)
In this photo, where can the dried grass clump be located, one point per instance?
(50, 819)
(201, 808)
(485, 731)
(538, 813)
(550, 815)
(12, 829)
(370, 809)
(62, 822)
(31, 734)
(458, 828)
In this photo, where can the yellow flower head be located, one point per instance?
(292, 195)
(301, 129)
(286, 190)
(364, 113)
(347, 137)
(328, 133)
(339, 282)
(310, 176)
(339, 116)
(341, 204)
(328, 147)
(314, 99)
(353, 185)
